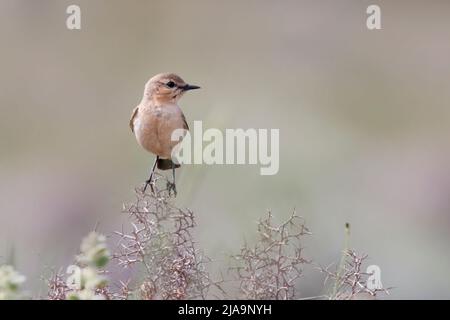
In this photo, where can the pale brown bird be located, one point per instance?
(156, 117)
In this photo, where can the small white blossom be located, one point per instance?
(91, 280)
(94, 251)
(85, 294)
(10, 282)
(94, 255)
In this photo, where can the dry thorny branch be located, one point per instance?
(57, 287)
(160, 240)
(350, 281)
(270, 269)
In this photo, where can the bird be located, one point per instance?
(156, 117)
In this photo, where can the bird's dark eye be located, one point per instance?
(170, 84)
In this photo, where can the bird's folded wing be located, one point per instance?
(186, 127)
(133, 115)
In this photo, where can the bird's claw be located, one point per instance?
(171, 187)
(150, 183)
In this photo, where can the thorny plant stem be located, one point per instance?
(342, 261)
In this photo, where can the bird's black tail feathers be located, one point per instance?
(166, 164)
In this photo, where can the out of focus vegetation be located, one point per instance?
(363, 117)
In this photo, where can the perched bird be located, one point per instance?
(156, 117)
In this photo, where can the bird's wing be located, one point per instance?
(133, 115)
(186, 127)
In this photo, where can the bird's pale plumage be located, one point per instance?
(158, 115)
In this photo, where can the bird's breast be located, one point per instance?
(153, 128)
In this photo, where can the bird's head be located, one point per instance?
(166, 87)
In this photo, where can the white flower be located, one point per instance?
(91, 280)
(94, 255)
(85, 294)
(10, 282)
(94, 251)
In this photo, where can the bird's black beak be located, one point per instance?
(189, 87)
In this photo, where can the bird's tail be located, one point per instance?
(166, 164)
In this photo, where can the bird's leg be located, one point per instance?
(149, 181)
(171, 185)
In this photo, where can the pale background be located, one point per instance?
(364, 123)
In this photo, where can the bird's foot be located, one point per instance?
(150, 183)
(171, 187)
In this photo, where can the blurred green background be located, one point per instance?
(364, 123)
